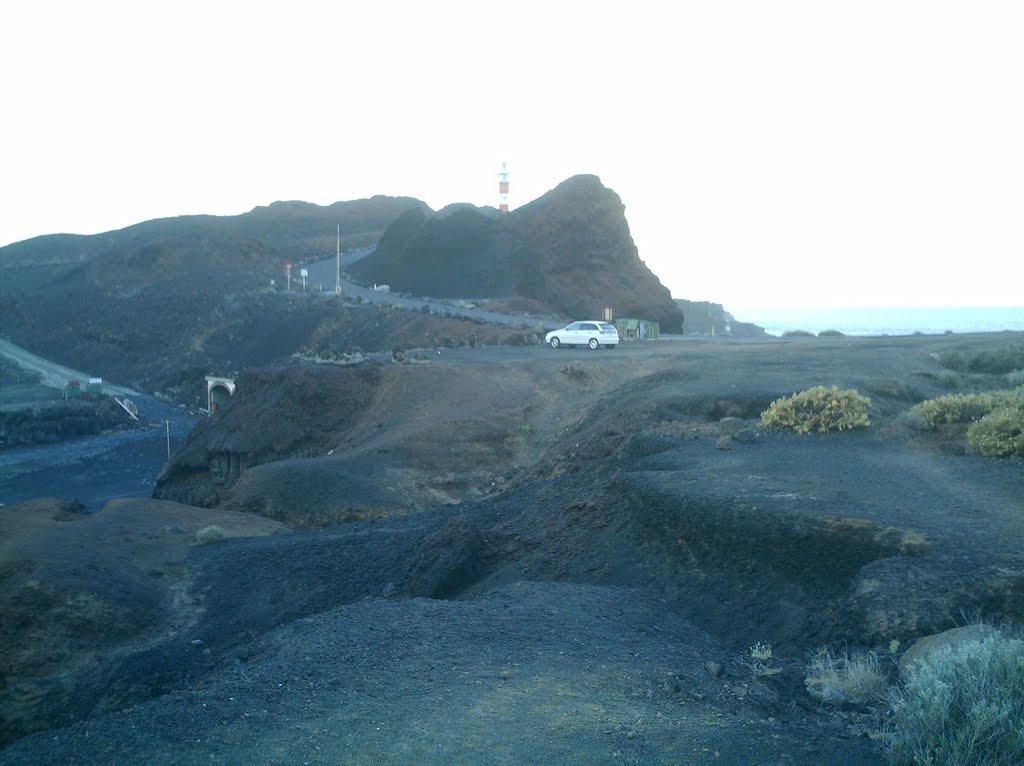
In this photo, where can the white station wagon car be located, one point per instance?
(589, 333)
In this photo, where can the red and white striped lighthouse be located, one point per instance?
(503, 188)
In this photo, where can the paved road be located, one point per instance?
(322, 276)
(54, 375)
(92, 469)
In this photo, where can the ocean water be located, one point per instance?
(887, 321)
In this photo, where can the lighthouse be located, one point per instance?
(503, 188)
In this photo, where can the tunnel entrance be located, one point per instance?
(218, 391)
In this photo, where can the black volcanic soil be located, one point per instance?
(550, 557)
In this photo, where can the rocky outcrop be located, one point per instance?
(277, 414)
(62, 420)
(571, 249)
(705, 318)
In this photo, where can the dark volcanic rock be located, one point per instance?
(62, 420)
(462, 251)
(704, 318)
(570, 249)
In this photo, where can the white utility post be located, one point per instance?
(337, 269)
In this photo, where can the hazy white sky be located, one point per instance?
(768, 153)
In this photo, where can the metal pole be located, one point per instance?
(337, 270)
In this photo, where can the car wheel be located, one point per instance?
(594, 344)
(554, 343)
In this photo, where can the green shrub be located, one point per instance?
(1015, 379)
(1000, 433)
(211, 534)
(838, 680)
(962, 705)
(819, 409)
(998, 361)
(952, 408)
(949, 379)
(952, 360)
(914, 420)
(797, 334)
(966, 408)
(831, 334)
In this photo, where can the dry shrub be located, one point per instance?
(576, 372)
(760, 660)
(962, 705)
(819, 409)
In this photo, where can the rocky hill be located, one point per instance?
(160, 304)
(570, 249)
(186, 252)
(177, 298)
(705, 318)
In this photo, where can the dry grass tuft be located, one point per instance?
(842, 679)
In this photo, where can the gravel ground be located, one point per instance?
(533, 673)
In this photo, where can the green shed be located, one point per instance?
(637, 329)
